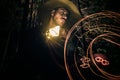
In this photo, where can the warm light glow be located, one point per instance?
(53, 32)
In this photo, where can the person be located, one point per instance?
(58, 16)
(55, 34)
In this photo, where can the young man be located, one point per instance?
(56, 18)
(56, 33)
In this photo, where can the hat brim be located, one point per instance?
(51, 4)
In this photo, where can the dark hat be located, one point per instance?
(67, 4)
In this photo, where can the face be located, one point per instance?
(60, 16)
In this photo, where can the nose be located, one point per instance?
(64, 16)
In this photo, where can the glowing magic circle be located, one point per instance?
(92, 47)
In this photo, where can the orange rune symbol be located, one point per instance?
(101, 60)
(85, 61)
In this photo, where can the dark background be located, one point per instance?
(23, 54)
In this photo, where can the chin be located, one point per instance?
(62, 24)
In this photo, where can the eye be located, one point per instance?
(61, 13)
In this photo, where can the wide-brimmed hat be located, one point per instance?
(69, 5)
